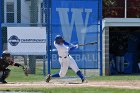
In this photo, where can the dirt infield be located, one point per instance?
(135, 84)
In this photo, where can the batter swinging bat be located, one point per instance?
(90, 43)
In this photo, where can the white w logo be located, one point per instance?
(76, 19)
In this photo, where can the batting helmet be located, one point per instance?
(5, 54)
(59, 39)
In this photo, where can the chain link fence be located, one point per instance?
(23, 13)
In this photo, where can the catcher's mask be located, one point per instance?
(59, 39)
(5, 54)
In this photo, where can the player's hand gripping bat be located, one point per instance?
(90, 43)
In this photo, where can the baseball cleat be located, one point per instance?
(4, 82)
(49, 77)
(84, 81)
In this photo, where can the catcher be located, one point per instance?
(5, 61)
(65, 59)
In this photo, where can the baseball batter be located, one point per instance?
(65, 59)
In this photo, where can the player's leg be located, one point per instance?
(5, 74)
(75, 68)
(63, 70)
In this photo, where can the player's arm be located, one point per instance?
(15, 64)
(18, 65)
(73, 47)
(69, 44)
(66, 43)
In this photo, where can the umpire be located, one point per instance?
(5, 61)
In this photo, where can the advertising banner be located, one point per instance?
(26, 40)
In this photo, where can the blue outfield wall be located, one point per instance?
(84, 59)
(78, 21)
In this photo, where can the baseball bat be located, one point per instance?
(90, 43)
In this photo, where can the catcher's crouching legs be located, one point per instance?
(6, 73)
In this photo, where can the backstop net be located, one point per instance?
(23, 32)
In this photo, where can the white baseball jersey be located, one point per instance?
(65, 59)
(63, 50)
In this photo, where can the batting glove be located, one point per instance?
(76, 46)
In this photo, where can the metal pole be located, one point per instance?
(47, 21)
(0, 27)
(125, 15)
(101, 69)
(44, 66)
(33, 19)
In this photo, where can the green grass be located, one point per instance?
(17, 75)
(75, 90)
(113, 78)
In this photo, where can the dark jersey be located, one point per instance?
(4, 64)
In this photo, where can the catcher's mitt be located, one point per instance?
(25, 70)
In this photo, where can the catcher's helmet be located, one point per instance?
(5, 54)
(59, 39)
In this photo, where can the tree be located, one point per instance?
(113, 8)
(133, 8)
(116, 8)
